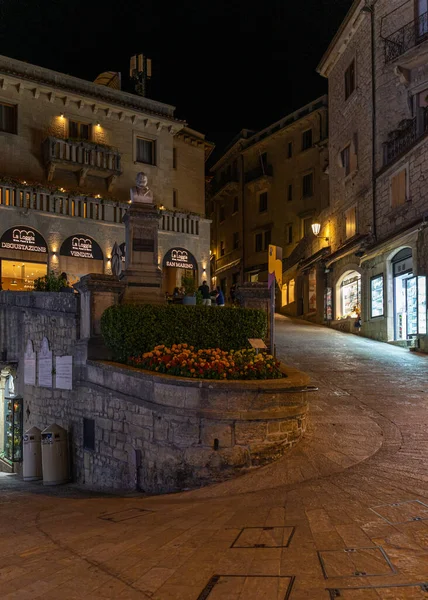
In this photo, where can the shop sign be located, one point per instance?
(180, 258)
(23, 238)
(328, 304)
(81, 246)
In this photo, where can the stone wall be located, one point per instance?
(152, 432)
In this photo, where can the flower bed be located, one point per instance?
(183, 360)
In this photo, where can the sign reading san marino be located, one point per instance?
(180, 258)
(23, 238)
(81, 246)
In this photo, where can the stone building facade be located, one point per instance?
(378, 88)
(267, 188)
(70, 151)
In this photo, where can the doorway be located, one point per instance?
(410, 317)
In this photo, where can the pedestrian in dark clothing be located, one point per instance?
(205, 291)
(219, 297)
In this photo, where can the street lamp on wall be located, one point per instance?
(316, 228)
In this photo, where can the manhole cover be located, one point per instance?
(355, 562)
(264, 537)
(415, 591)
(222, 587)
(402, 512)
(124, 515)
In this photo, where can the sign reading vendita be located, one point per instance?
(81, 246)
(23, 238)
(180, 258)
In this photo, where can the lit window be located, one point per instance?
(376, 296)
(284, 295)
(145, 151)
(350, 295)
(399, 188)
(351, 221)
(291, 289)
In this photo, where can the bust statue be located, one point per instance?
(141, 193)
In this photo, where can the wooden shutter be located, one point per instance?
(398, 189)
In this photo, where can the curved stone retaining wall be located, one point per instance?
(167, 433)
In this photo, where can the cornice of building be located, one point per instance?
(342, 37)
(195, 138)
(233, 149)
(285, 123)
(39, 79)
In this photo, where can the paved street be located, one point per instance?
(344, 515)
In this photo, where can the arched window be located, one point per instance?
(350, 295)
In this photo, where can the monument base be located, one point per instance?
(142, 287)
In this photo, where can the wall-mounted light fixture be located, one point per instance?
(62, 115)
(316, 228)
(98, 124)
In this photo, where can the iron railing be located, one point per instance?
(407, 37)
(400, 141)
(262, 171)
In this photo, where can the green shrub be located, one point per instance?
(130, 330)
(50, 283)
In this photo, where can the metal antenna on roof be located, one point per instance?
(140, 70)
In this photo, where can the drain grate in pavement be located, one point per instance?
(264, 537)
(250, 587)
(407, 591)
(124, 515)
(355, 562)
(398, 513)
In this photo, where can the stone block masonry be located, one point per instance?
(152, 432)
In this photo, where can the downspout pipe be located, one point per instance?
(370, 8)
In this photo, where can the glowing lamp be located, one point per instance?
(316, 228)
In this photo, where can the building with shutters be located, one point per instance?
(267, 188)
(70, 151)
(377, 70)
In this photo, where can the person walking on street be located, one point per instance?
(205, 291)
(219, 298)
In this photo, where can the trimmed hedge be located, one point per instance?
(130, 330)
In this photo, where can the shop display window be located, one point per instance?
(350, 295)
(20, 276)
(377, 296)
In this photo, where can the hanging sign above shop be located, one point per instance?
(180, 258)
(23, 238)
(81, 246)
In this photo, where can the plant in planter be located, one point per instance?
(50, 283)
(188, 284)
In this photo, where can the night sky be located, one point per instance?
(225, 64)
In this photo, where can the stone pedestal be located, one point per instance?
(142, 276)
(256, 295)
(97, 293)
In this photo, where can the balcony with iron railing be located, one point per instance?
(226, 185)
(264, 170)
(407, 37)
(81, 156)
(402, 139)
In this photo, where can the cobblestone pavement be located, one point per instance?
(343, 515)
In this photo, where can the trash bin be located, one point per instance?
(55, 455)
(32, 455)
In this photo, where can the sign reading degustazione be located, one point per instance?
(23, 238)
